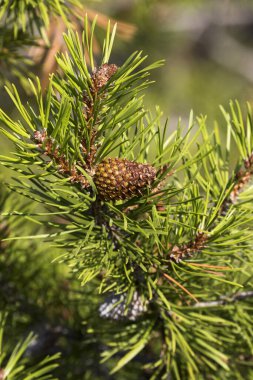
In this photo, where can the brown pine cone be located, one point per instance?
(117, 178)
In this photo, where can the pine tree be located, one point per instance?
(150, 219)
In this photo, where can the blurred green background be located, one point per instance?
(207, 46)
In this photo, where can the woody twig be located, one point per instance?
(177, 253)
(241, 179)
(50, 149)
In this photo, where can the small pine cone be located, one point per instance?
(117, 178)
(101, 75)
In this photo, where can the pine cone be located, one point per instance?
(117, 178)
(101, 75)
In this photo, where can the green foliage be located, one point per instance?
(31, 15)
(11, 56)
(178, 259)
(22, 24)
(42, 297)
(14, 365)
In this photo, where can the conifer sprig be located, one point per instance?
(164, 250)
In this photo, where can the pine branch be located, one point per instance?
(31, 34)
(46, 144)
(152, 243)
(187, 250)
(225, 300)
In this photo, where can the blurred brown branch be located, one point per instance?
(44, 55)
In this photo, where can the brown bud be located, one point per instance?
(102, 74)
